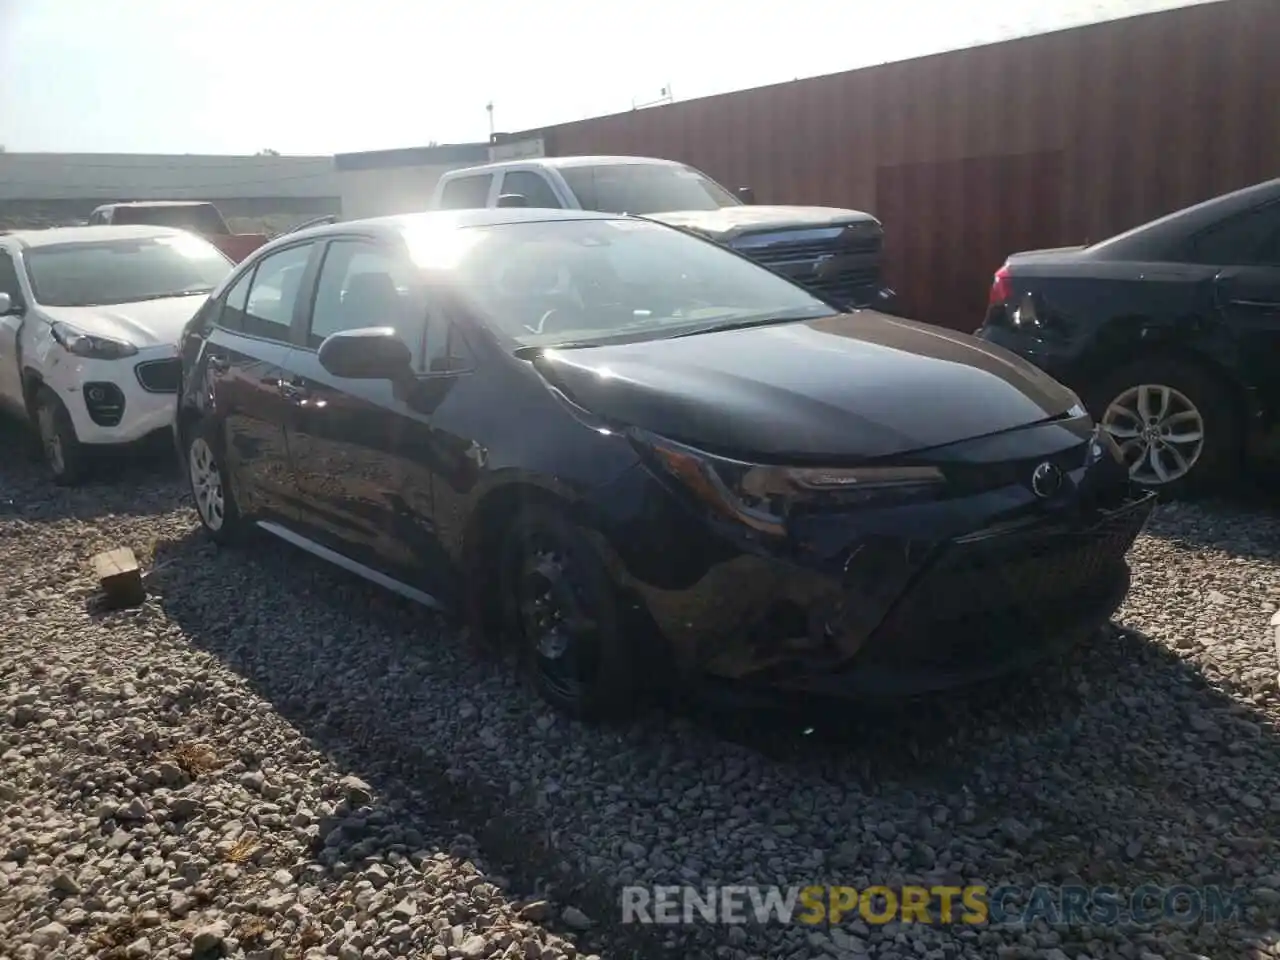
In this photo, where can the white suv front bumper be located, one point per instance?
(112, 401)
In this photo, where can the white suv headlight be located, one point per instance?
(90, 347)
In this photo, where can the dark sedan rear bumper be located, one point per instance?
(886, 603)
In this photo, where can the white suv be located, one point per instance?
(89, 325)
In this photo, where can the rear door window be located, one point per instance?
(1249, 239)
(466, 193)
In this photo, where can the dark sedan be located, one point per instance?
(1170, 331)
(643, 459)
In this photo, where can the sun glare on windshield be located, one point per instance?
(439, 248)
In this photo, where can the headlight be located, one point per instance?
(764, 496)
(90, 347)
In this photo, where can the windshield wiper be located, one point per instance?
(165, 296)
(744, 324)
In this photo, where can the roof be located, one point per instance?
(155, 203)
(582, 161)
(442, 219)
(110, 176)
(55, 235)
(448, 154)
(1139, 241)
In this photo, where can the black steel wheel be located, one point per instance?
(561, 609)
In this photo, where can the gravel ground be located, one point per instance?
(272, 759)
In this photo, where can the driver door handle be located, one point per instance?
(219, 363)
(294, 389)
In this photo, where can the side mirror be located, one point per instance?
(746, 195)
(370, 353)
(513, 200)
(6, 304)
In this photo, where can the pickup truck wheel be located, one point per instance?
(1175, 422)
(63, 453)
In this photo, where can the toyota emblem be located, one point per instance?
(1046, 480)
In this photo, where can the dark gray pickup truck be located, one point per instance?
(836, 253)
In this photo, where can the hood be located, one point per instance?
(727, 223)
(848, 387)
(148, 323)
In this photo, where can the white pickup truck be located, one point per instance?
(834, 252)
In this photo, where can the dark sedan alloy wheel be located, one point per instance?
(1159, 430)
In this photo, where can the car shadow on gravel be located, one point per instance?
(138, 482)
(1118, 763)
(343, 665)
(1227, 520)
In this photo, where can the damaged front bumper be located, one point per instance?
(891, 602)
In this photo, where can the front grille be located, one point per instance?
(847, 286)
(985, 593)
(105, 403)
(840, 265)
(159, 376)
(782, 252)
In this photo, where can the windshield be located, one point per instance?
(123, 271)
(585, 282)
(202, 218)
(645, 188)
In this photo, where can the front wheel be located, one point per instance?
(63, 453)
(215, 504)
(561, 608)
(1174, 422)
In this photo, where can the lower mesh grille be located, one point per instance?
(986, 593)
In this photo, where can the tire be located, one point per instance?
(1192, 392)
(215, 502)
(61, 451)
(549, 572)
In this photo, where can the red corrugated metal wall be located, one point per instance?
(970, 155)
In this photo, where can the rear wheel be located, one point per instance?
(561, 608)
(1175, 423)
(61, 450)
(215, 504)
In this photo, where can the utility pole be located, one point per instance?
(489, 107)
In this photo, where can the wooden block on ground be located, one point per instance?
(120, 578)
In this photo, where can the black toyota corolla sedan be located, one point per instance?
(643, 459)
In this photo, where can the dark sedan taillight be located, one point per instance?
(1001, 288)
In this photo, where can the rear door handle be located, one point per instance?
(219, 363)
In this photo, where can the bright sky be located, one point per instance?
(327, 76)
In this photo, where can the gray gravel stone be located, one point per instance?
(312, 768)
